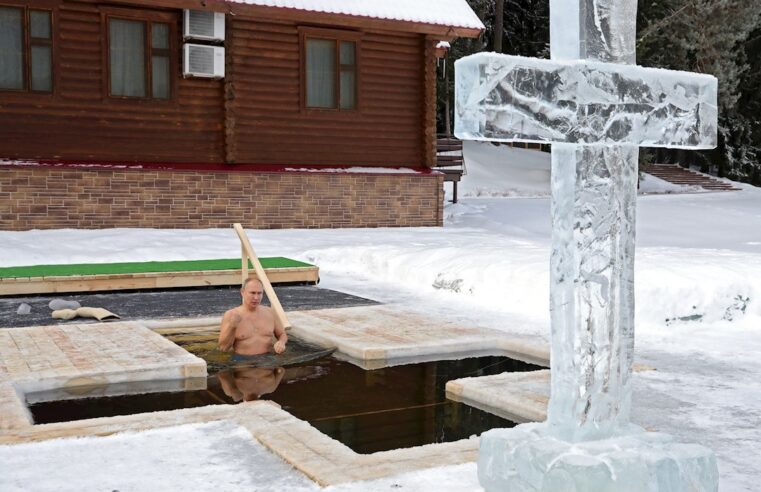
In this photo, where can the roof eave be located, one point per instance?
(348, 20)
(443, 32)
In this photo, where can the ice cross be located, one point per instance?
(596, 108)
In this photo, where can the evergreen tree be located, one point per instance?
(709, 36)
(719, 37)
(526, 25)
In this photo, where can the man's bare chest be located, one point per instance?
(253, 327)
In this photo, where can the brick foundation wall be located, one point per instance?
(39, 197)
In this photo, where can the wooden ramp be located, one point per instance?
(46, 279)
(686, 177)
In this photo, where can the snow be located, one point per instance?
(355, 170)
(455, 13)
(698, 302)
(501, 171)
(175, 458)
(649, 185)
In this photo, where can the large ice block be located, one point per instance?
(527, 458)
(512, 98)
(594, 192)
(611, 21)
(596, 115)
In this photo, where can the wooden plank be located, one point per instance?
(262, 276)
(152, 280)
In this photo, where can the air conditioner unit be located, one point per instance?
(203, 61)
(203, 25)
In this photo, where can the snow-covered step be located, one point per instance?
(681, 176)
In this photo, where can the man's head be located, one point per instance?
(252, 292)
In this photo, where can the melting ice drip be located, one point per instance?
(596, 108)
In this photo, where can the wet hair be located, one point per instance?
(249, 279)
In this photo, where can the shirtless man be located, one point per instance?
(248, 328)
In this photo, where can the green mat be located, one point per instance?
(141, 267)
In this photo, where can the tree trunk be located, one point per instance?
(499, 16)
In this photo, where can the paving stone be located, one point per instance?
(382, 335)
(516, 396)
(40, 358)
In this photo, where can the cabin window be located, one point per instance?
(139, 58)
(330, 69)
(26, 49)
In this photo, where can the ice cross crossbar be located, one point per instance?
(512, 98)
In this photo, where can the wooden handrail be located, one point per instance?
(247, 252)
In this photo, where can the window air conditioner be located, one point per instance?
(203, 61)
(203, 25)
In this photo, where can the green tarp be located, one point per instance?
(141, 267)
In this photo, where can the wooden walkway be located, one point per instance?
(681, 176)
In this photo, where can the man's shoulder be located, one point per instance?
(232, 314)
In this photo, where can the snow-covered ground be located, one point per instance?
(698, 288)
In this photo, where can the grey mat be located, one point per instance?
(176, 303)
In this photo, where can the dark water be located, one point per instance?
(204, 345)
(369, 411)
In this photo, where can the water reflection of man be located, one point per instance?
(248, 328)
(250, 383)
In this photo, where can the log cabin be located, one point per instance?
(201, 113)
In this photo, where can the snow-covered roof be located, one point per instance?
(451, 13)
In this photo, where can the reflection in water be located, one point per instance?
(250, 383)
(367, 410)
(204, 345)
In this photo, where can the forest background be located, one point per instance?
(718, 37)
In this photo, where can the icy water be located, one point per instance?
(369, 411)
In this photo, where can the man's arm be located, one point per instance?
(282, 338)
(227, 331)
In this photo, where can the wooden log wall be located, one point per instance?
(429, 102)
(78, 122)
(253, 116)
(271, 128)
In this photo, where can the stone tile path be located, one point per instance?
(517, 396)
(378, 336)
(77, 355)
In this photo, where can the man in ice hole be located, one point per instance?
(248, 328)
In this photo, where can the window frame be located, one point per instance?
(26, 47)
(149, 18)
(336, 36)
